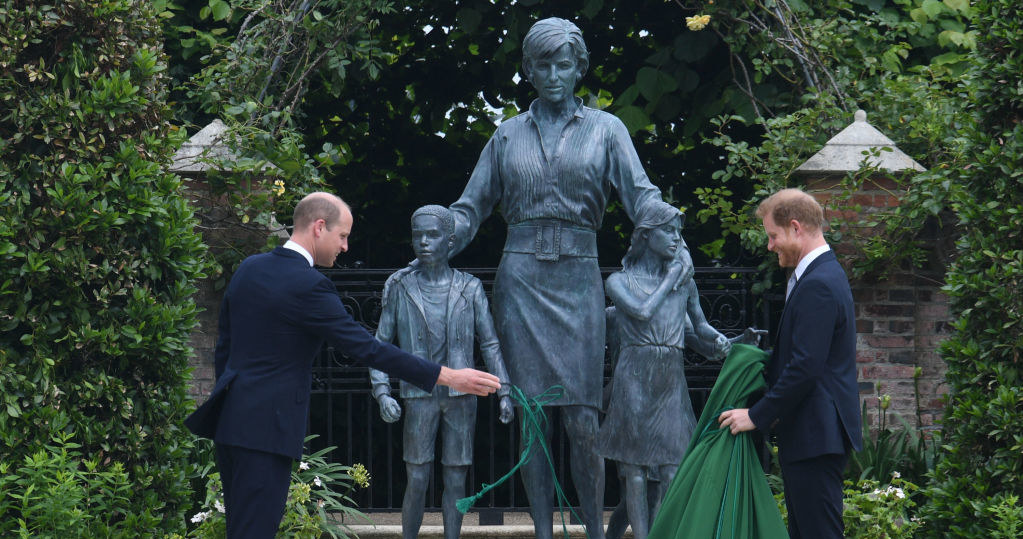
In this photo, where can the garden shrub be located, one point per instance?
(97, 262)
(319, 500)
(982, 462)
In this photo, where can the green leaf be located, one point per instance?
(220, 9)
(932, 8)
(592, 8)
(468, 19)
(633, 117)
(958, 5)
(653, 83)
(918, 15)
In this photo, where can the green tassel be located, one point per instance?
(533, 421)
(464, 504)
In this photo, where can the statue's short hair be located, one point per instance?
(447, 219)
(546, 36)
(789, 204)
(319, 205)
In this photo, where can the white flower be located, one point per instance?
(317, 482)
(303, 465)
(899, 493)
(200, 516)
(896, 475)
(219, 506)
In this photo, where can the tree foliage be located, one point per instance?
(983, 460)
(97, 256)
(251, 64)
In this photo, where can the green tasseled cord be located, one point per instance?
(533, 421)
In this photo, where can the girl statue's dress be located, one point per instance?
(650, 417)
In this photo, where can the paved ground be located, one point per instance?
(388, 526)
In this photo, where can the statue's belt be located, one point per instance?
(551, 240)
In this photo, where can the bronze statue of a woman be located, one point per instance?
(551, 169)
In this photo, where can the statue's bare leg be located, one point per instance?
(636, 500)
(666, 474)
(414, 503)
(581, 425)
(619, 519)
(536, 476)
(454, 490)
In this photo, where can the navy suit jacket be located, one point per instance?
(812, 403)
(276, 314)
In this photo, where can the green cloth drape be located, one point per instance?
(720, 490)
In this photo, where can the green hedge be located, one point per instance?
(98, 255)
(982, 465)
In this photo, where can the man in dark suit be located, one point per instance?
(812, 404)
(277, 312)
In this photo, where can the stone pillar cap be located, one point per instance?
(195, 155)
(845, 151)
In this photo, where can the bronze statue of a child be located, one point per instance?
(650, 417)
(437, 312)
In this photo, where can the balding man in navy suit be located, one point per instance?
(276, 314)
(812, 404)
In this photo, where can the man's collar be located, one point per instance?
(290, 244)
(810, 257)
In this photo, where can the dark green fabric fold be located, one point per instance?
(720, 490)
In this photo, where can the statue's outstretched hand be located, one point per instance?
(412, 266)
(751, 336)
(390, 410)
(721, 346)
(507, 410)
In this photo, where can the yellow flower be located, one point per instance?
(360, 475)
(278, 188)
(697, 22)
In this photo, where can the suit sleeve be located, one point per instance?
(326, 316)
(813, 325)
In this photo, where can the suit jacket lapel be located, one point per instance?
(824, 257)
(817, 262)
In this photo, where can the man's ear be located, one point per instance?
(797, 228)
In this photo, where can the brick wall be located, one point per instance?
(204, 340)
(900, 320)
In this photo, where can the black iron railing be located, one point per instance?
(344, 413)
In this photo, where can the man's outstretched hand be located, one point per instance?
(469, 381)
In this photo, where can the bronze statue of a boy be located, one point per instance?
(436, 312)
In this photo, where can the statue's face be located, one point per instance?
(555, 77)
(665, 239)
(429, 241)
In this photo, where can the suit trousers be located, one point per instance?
(255, 490)
(813, 496)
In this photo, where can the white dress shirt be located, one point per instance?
(300, 250)
(802, 265)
